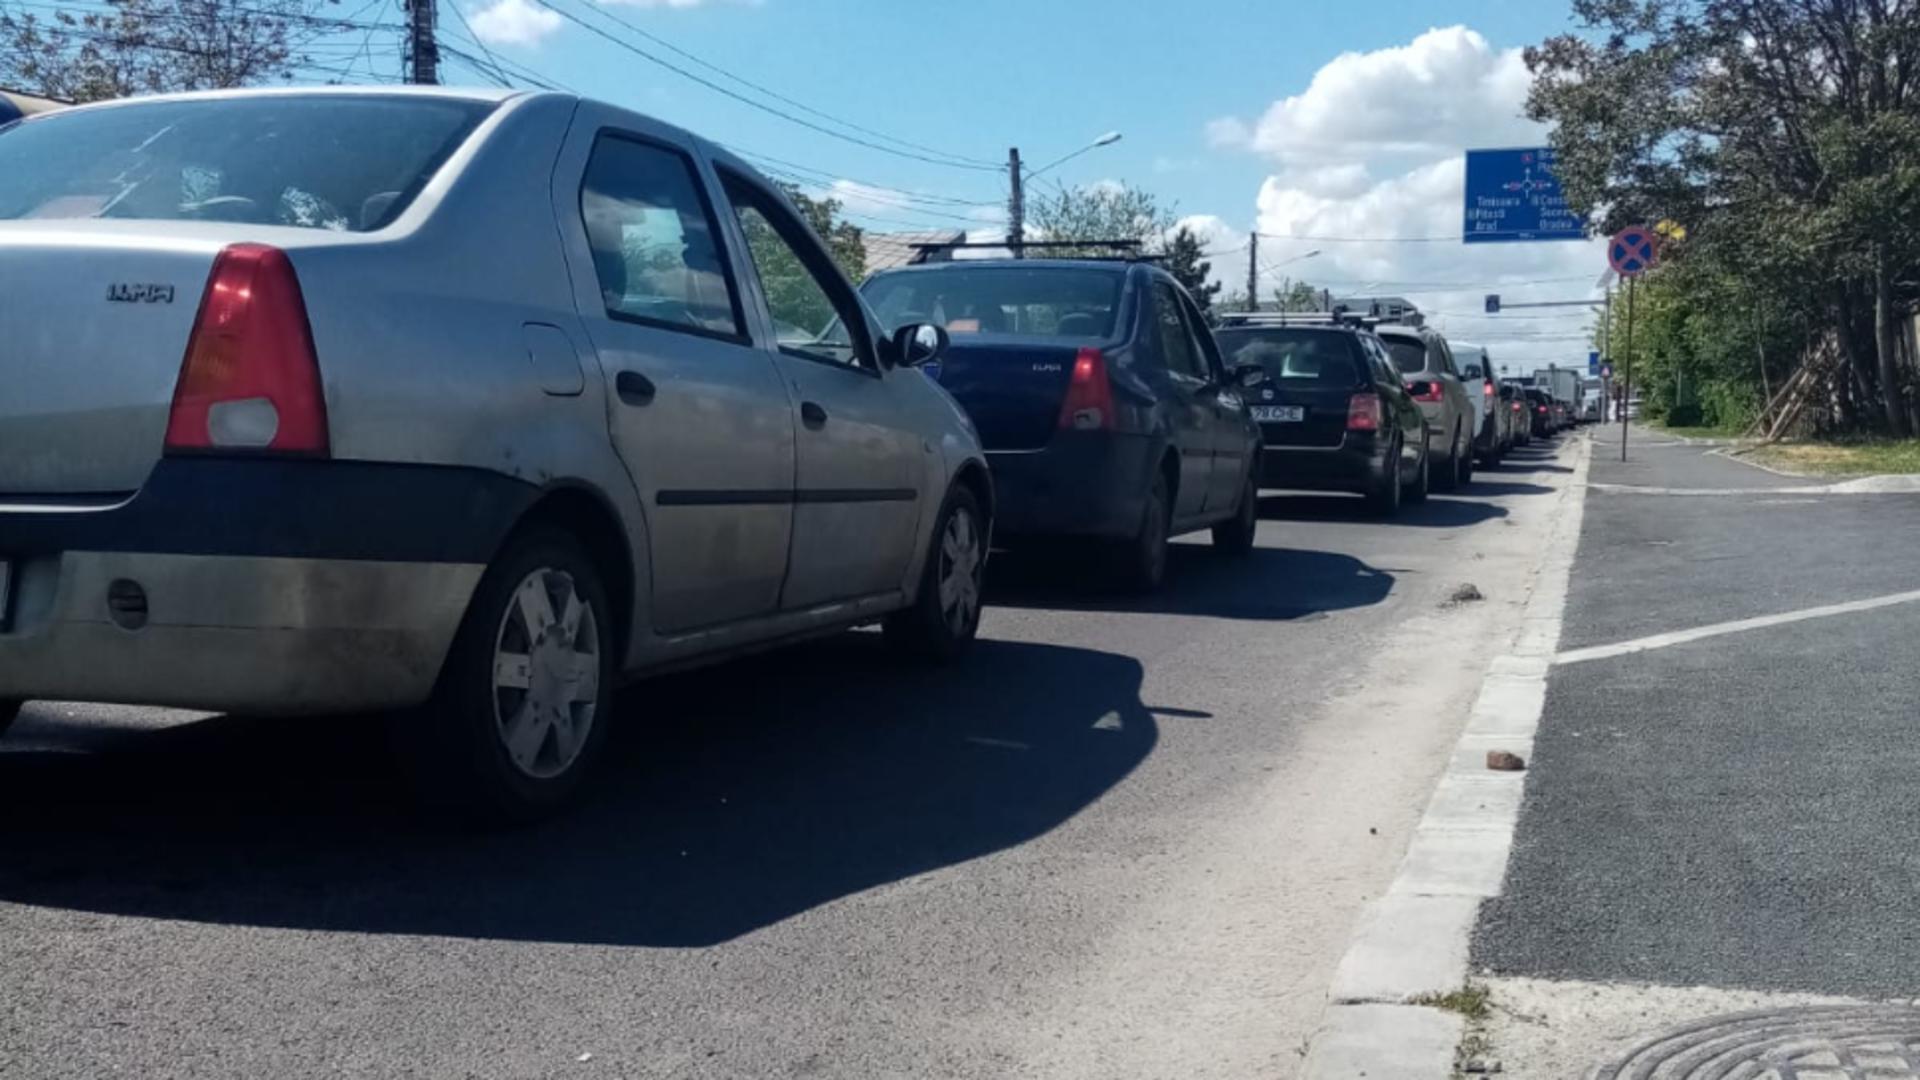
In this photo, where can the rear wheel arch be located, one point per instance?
(591, 520)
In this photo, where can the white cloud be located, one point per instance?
(1444, 88)
(1370, 154)
(514, 22)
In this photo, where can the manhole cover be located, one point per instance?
(1844, 1042)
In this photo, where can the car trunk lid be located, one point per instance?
(1012, 390)
(91, 338)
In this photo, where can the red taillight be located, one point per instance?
(1486, 389)
(1363, 412)
(1517, 408)
(1434, 391)
(250, 380)
(1089, 403)
(1542, 410)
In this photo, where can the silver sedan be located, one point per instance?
(466, 405)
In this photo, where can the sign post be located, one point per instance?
(1631, 253)
(1513, 196)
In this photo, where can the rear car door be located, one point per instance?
(1189, 405)
(1234, 436)
(1440, 363)
(698, 413)
(861, 460)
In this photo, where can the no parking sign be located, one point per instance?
(1632, 251)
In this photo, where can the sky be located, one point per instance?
(1328, 129)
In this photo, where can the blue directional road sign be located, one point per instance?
(1513, 196)
(1593, 363)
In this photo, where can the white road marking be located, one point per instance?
(1681, 637)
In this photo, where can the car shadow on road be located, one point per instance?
(1435, 513)
(1538, 458)
(1482, 487)
(734, 798)
(1266, 583)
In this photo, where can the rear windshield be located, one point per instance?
(1293, 357)
(1048, 301)
(1409, 354)
(347, 163)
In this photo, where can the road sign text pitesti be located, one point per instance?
(1513, 196)
(1632, 251)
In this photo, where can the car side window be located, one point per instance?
(1176, 343)
(655, 241)
(1378, 363)
(812, 309)
(1209, 349)
(1438, 358)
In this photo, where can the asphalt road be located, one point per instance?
(1124, 838)
(1737, 811)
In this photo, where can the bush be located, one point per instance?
(1688, 415)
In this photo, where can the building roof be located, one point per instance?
(888, 250)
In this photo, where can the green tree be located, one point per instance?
(153, 46)
(1101, 212)
(845, 241)
(1185, 263)
(1785, 136)
(1297, 296)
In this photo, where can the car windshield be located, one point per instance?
(1409, 354)
(1296, 357)
(344, 162)
(1047, 301)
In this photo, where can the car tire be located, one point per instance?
(1234, 536)
(1450, 478)
(514, 728)
(1418, 491)
(1466, 463)
(945, 616)
(1142, 561)
(9, 712)
(1385, 497)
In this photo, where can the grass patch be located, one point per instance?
(1472, 1001)
(1865, 457)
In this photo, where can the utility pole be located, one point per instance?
(1016, 206)
(1606, 354)
(423, 47)
(1253, 271)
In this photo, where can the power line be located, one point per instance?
(743, 99)
(1363, 239)
(498, 75)
(829, 177)
(802, 106)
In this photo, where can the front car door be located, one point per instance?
(863, 463)
(1458, 411)
(1396, 403)
(1190, 407)
(699, 414)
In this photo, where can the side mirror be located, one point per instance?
(919, 343)
(1248, 376)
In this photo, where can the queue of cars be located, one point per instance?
(469, 406)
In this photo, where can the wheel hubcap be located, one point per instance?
(961, 563)
(546, 674)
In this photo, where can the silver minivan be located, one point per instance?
(328, 399)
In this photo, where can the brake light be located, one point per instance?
(1434, 391)
(1486, 389)
(250, 380)
(1363, 412)
(1517, 408)
(1089, 402)
(1542, 410)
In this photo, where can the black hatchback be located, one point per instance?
(1333, 412)
(1100, 397)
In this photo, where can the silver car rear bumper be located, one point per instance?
(249, 634)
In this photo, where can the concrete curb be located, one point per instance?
(1413, 941)
(1877, 484)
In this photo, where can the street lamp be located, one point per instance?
(1017, 202)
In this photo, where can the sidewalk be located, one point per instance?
(1721, 815)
